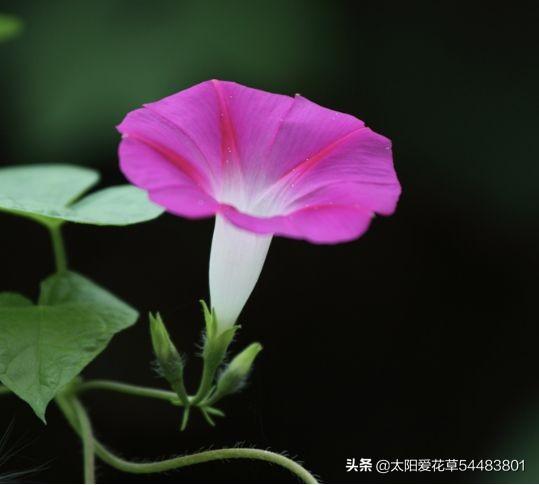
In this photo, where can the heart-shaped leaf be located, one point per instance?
(43, 347)
(52, 185)
(49, 193)
(113, 206)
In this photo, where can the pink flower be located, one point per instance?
(264, 164)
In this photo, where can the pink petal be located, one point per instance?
(187, 201)
(167, 185)
(253, 119)
(146, 167)
(323, 224)
(361, 166)
(307, 130)
(196, 114)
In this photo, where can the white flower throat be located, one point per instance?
(236, 260)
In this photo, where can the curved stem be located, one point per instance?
(203, 457)
(100, 384)
(88, 443)
(119, 463)
(58, 247)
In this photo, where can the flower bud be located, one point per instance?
(168, 358)
(234, 376)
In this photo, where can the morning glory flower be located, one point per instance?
(264, 165)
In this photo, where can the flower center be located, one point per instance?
(257, 200)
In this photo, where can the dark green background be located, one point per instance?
(417, 341)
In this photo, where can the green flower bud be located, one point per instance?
(168, 358)
(234, 376)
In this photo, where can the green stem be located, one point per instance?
(204, 457)
(206, 383)
(128, 389)
(87, 437)
(140, 391)
(65, 404)
(58, 247)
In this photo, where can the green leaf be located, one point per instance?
(10, 26)
(45, 185)
(49, 193)
(14, 299)
(114, 206)
(43, 347)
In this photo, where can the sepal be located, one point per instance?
(215, 343)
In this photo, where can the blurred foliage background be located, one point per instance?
(441, 353)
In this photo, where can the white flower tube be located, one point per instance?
(236, 260)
